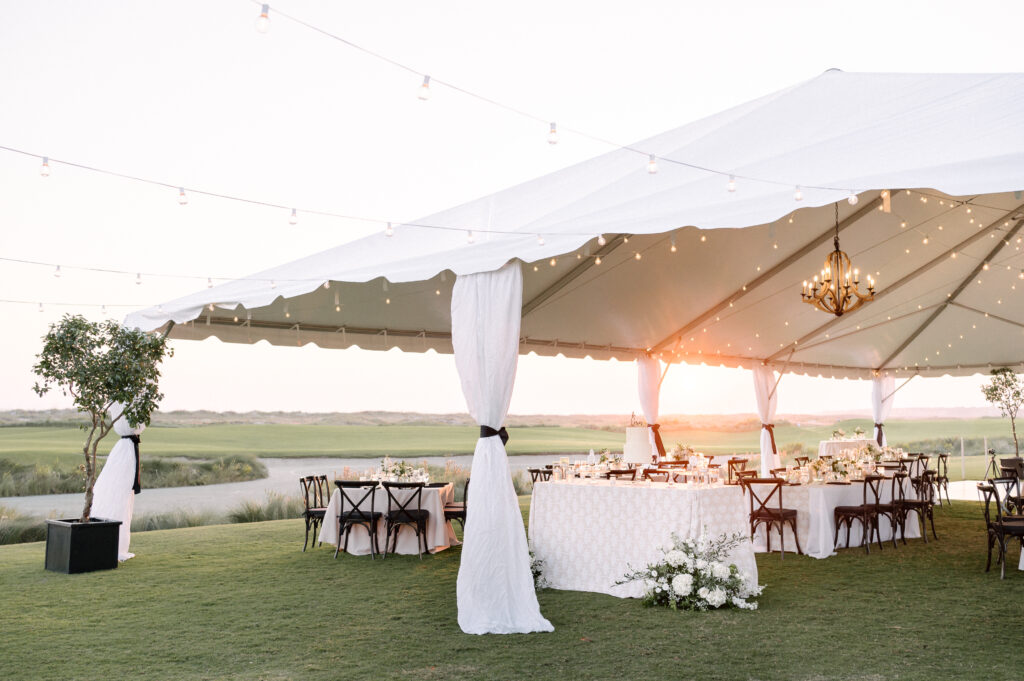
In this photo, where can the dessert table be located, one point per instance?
(837, 447)
(815, 504)
(589, 533)
(440, 534)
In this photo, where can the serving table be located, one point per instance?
(837, 447)
(815, 504)
(589, 533)
(440, 534)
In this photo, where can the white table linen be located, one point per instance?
(589, 534)
(440, 534)
(815, 506)
(837, 447)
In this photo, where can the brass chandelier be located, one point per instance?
(835, 290)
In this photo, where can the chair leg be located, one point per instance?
(878, 530)
(835, 536)
(337, 546)
(991, 541)
(387, 538)
(931, 520)
(782, 540)
(306, 540)
(796, 538)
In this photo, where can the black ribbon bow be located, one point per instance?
(879, 426)
(655, 428)
(137, 485)
(770, 427)
(487, 431)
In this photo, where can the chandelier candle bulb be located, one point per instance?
(839, 292)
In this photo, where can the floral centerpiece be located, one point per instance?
(680, 452)
(823, 467)
(838, 434)
(858, 431)
(694, 575)
(400, 470)
(607, 457)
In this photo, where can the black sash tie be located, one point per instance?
(770, 427)
(656, 428)
(487, 431)
(137, 486)
(879, 427)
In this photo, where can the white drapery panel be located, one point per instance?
(882, 389)
(495, 586)
(113, 496)
(649, 387)
(767, 399)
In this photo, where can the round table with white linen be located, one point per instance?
(815, 505)
(588, 534)
(837, 447)
(440, 534)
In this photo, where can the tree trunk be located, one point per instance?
(1013, 427)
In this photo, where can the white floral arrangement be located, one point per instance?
(612, 459)
(838, 434)
(680, 452)
(858, 431)
(694, 575)
(402, 470)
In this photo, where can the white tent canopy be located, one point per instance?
(946, 257)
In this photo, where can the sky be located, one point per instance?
(190, 94)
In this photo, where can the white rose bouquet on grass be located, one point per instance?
(693, 575)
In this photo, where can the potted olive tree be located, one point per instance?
(1005, 390)
(96, 364)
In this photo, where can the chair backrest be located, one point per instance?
(1005, 487)
(899, 486)
(354, 495)
(399, 510)
(674, 464)
(777, 471)
(989, 493)
(734, 465)
(1012, 467)
(539, 474)
(802, 460)
(310, 488)
(745, 475)
(927, 486)
(322, 494)
(656, 475)
(764, 498)
(622, 473)
(942, 465)
(872, 483)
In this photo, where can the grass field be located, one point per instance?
(243, 602)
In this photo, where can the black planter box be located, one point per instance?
(73, 546)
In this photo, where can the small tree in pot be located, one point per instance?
(98, 364)
(1006, 390)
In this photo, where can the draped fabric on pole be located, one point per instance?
(114, 494)
(882, 389)
(767, 398)
(495, 586)
(649, 386)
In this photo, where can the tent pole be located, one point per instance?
(899, 388)
(907, 279)
(167, 331)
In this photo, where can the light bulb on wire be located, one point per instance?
(44, 170)
(138, 278)
(56, 272)
(263, 20)
(852, 199)
(601, 241)
(470, 237)
(389, 230)
(540, 239)
(732, 183)
(553, 134)
(293, 219)
(652, 164)
(798, 194)
(424, 93)
(182, 198)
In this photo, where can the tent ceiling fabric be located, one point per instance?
(950, 147)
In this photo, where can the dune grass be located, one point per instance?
(243, 602)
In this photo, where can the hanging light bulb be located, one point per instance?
(40, 307)
(327, 285)
(273, 283)
(703, 237)
(138, 278)
(540, 239)
(637, 255)
(597, 261)
(44, 169)
(424, 93)
(601, 241)
(182, 199)
(652, 164)
(103, 309)
(1021, 275)
(293, 219)
(553, 134)
(56, 272)
(389, 230)
(287, 314)
(984, 266)
(337, 302)
(732, 183)
(852, 199)
(553, 262)
(673, 248)
(798, 194)
(470, 237)
(209, 282)
(925, 240)
(263, 20)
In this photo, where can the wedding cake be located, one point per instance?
(638, 445)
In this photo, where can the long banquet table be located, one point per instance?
(837, 447)
(440, 534)
(815, 506)
(590, 533)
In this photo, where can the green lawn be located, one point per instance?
(242, 602)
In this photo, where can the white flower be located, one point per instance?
(703, 592)
(654, 573)
(702, 564)
(716, 597)
(675, 558)
(720, 571)
(682, 585)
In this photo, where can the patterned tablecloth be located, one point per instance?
(589, 534)
(836, 447)
(815, 506)
(440, 534)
